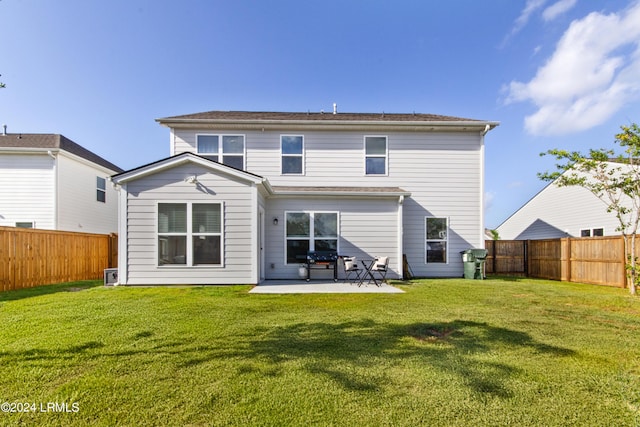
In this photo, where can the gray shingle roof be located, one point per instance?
(314, 116)
(53, 141)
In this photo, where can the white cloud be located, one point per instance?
(592, 74)
(523, 19)
(557, 9)
(489, 197)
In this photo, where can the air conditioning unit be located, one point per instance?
(110, 276)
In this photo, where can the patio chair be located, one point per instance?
(380, 268)
(351, 270)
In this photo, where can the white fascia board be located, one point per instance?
(184, 159)
(364, 125)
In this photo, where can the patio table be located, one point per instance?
(368, 266)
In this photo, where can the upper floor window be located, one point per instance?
(101, 191)
(227, 149)
(436, 231)
(375, 149)
(292, 149)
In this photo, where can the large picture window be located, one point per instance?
(292, 148)
(310, 231)
(437, 232)
(227, 149)
(375, 149)
(190, 234)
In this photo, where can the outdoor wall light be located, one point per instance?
(275, 221)
(191, 180)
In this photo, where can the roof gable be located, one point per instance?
(180, 159)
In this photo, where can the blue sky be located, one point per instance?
(554, 73)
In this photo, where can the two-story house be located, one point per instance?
(49, 182)
(245, 195)
(557, 212)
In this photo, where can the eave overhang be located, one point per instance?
(331, 125)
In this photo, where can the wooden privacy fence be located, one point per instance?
(30, 257)
(597, 260)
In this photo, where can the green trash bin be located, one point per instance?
(473, 261)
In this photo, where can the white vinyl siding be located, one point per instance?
(558, 212)
(442, 171)
(366, 228)
(27, 190)
(78, 208)
(169, 186)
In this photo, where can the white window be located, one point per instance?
(592, 232)
(310, 231)
(436, 233)
(190, 234)
(375, 153)
(101, 192)
(292, 149)
(226, 149)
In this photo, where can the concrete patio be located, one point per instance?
(320, 287)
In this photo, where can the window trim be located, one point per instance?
(99, 190)
(301, 155)
(220, 154)
(445, 240)
(311, 237)
(378, 156)
(189, 234)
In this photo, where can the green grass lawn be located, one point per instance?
(445, 353)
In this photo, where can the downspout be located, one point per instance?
(482, 226)
(400, 237)
(55, 188)
(123, 256)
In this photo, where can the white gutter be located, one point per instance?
(263, 125)
(55, 188)
(400, 232)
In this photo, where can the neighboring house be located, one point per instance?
(560, 212)
(245, 195)
(49, 182)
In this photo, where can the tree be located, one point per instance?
(614, 179)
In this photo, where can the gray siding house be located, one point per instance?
(244, 195)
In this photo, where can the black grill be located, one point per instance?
(322, 260)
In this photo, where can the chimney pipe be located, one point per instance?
(4, 130)
(335, 108)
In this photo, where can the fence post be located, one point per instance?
(624, 262)
(565, 259)
(525, 255)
